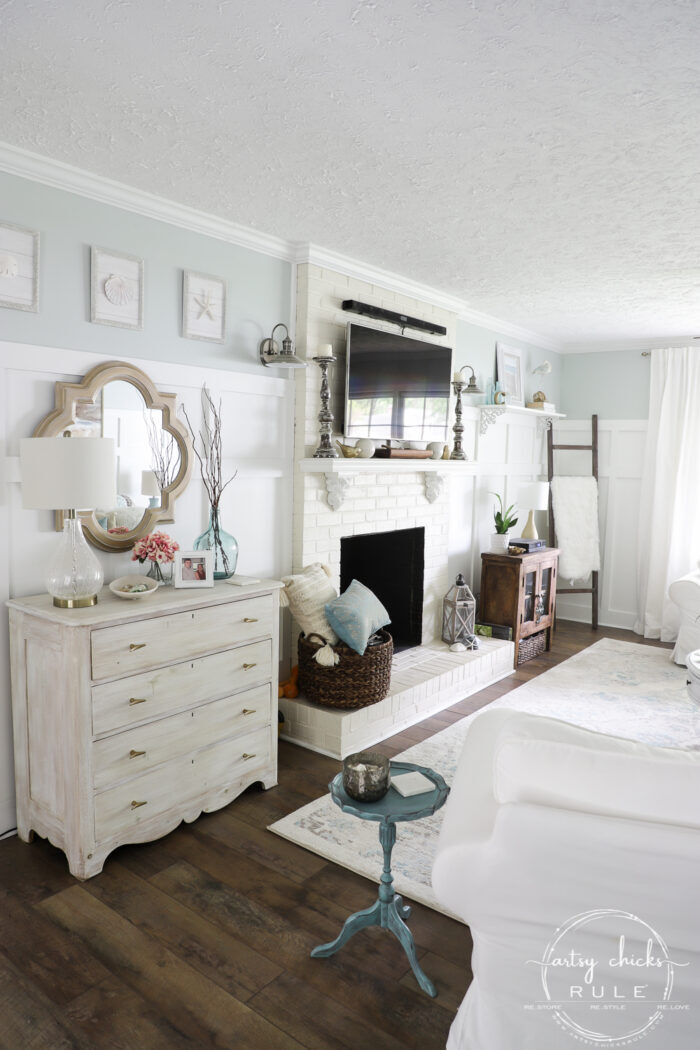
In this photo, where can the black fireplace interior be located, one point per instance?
(391, 565)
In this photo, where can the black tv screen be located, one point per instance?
(396, 387)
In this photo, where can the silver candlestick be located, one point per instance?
(458, 429)
(325, 448)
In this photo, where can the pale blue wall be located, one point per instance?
(476, 346)
(614, 384)
(258, 287)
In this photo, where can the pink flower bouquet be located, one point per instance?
(158, 548)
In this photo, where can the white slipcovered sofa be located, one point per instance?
(685, 592)
(556, 841)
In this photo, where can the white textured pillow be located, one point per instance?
(551, 763)
(307, 594)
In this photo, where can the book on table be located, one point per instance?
(413, 783)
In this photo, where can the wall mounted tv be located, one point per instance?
(396, 387)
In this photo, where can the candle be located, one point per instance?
(457, 378)
(325, 350)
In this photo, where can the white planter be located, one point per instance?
(499, 543)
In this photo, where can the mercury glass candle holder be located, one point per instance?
(366, 776)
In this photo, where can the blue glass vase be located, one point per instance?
(222, 543)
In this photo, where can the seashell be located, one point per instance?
(539, 395)
(118, 290)
(8, 266)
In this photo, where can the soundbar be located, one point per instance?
(388, 315)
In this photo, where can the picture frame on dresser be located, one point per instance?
(193, 569)
(509, 372)
(19, 267)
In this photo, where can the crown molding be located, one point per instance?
(55, 173)
(315, 255)
(613, 345)
(61, 176)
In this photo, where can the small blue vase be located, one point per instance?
(222, 543)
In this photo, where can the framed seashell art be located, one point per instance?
(19, 268)
(203, 306)
(116, 289)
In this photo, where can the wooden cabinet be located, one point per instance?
(519, 591)
(132, 716)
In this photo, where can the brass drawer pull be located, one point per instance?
(135, 805)
(139, 645)
(250, 619)
(136, 754)
(137, 700)
(246, 757)
(247, 667)
(249, 710)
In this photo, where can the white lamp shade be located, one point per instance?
(534, 495)
(61, 473)
(149, 483)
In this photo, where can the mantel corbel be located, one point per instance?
(336, 487)
(489, 415)
(433, 485)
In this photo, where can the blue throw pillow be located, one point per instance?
(356, 615)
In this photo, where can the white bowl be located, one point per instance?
(124, 581)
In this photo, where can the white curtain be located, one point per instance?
(669, 524)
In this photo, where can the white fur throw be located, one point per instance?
(575, 506)
(306, 594)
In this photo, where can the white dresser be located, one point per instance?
(132, 716)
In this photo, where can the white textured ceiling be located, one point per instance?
(540, 160)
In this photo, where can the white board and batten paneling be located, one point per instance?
(258, 414)
(512, 451)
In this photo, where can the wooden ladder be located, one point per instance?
(593, 449)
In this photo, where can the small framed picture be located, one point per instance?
(116, 289)
(510, 373)
(203, 306)
(19, 268)
(193, 569)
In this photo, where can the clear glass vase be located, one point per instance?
(222, 543)
(162, 572)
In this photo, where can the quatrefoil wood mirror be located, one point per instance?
(154, 449)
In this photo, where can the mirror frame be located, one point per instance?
(67, 397)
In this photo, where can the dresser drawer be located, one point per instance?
(142, 644)
(135, 751)
(184, 780)
(152, 694)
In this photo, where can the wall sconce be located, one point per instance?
(284, 357)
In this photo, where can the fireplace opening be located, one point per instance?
(391, 565)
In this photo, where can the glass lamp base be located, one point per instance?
(75, 575)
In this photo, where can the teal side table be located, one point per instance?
(389, 911)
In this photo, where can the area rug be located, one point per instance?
(612, 687)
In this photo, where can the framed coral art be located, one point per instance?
(116, 289)
(510, 373)
(19, 268)
(203, 307)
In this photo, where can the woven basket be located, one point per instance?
(532, 646)
(356, 681)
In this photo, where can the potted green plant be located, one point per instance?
(503, 521)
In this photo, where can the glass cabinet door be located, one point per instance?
(530, 597)
(545, 590)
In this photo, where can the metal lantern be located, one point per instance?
(458, 615)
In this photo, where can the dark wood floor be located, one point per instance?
(202, 939)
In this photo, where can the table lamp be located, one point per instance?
(535, 495)
(150, 487)
(69, 473)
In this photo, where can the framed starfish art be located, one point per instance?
(203, 306)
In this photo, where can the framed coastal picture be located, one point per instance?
(203, 306)
(116, 289)
(19, 268)
(510, 373)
